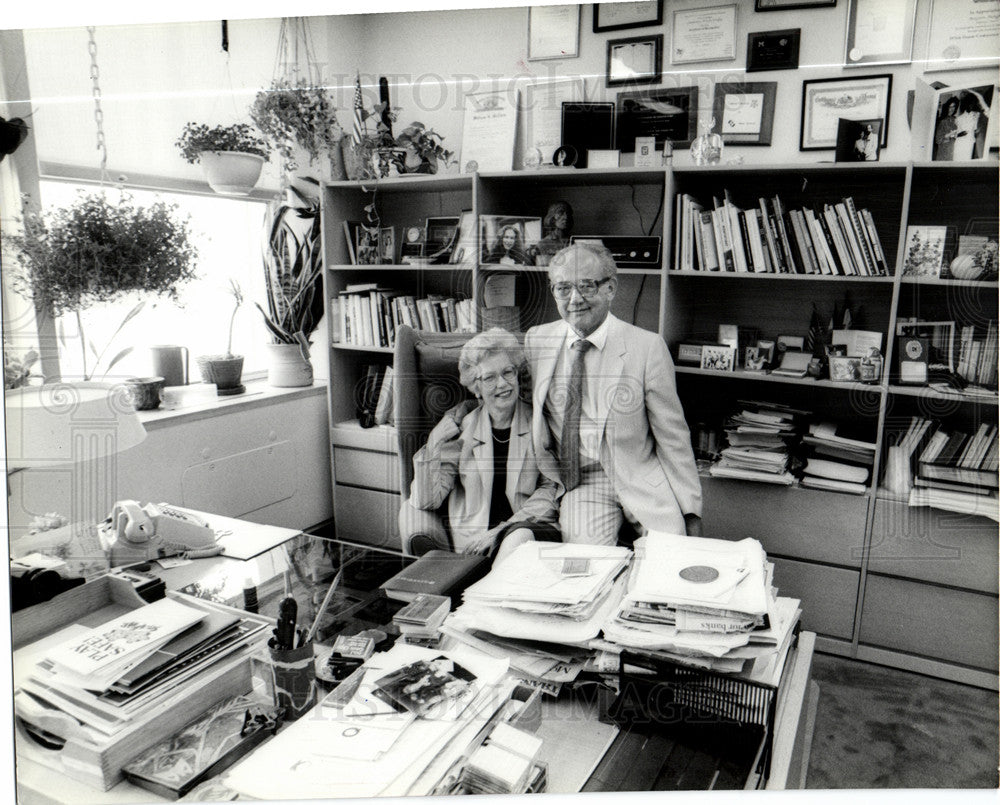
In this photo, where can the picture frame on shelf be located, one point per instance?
(703, 34)
(366, 245)
(924, 250)
(690, 354)
(666, 114)
(744, 112)
(826, 100)
(773, 50)
(440, 234)
(875, 36)
(411, 247)
(553, 32)
(718, 357)
(635, 60)
(964, 123)
(464, 252)
(622, 16)
(509, 239)
(588, 127)
(845, 368)
(960, 36)
(754, 360)
(857, 140)
(387, 245)
(787, 5)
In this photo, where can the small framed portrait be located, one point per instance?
(826, 100)
(744, 112)
(857, 140)
(636, 60)
(366, 245)
(753, 361)
(718, 357)
(387, 244)
(845, 369)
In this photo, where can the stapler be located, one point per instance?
(133, 533)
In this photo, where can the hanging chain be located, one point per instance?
(95, 76)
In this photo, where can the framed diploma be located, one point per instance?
(637, 60)
(783, 5)
(825, 101)
(963, 34)
(542, 103)
(744, 113)
(879, 32)
(619, 16)
(703, 34)
(489, 128)
(553, 32)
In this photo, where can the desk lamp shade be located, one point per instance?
(68, 423)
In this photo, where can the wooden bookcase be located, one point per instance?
(866, 589)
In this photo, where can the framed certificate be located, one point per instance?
(826, 100)
(744, 113)
(879, 32)
(489, 128)
(703, 34)
(553, 32)
(619, 16)
(637, 60)
(963, 34)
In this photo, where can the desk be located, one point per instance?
(582, 753)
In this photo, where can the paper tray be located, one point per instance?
(99, 763)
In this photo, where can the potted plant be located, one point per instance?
(96, 251)
(231, 156)
(293, 270)
(293, 113)
(226, 370)
(424, 152)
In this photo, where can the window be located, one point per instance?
(228, 235)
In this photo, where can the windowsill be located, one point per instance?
(200, 401)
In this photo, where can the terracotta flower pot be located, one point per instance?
(231, 173)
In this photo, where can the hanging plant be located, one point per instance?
(198, 137)
(295, 113)
(94, 251)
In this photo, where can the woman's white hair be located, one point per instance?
(495, 341)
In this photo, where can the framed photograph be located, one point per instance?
(703, 34)
(844, 368)
(963, 34)
(666, 114)
(879, 32)
(744, 113)
(553, 32)
(689, 353)
(826, 100)
(773, 50)
(784, 5)
(366, 245)
(387, 245)
(962, 121)
(857, 140)
(620, 16)
(718, 357)
(509, 239)
(440, 234)
(636, 60)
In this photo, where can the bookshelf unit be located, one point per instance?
(848, 557)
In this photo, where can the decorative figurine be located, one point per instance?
(556, 227)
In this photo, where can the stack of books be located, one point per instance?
(368, 315)
(767, 238)
(835, 462)
(420, 621)
(705, 602)
(761, 437)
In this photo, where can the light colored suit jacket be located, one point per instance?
(457, 464)
(645, 446)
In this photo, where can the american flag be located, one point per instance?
(358, 123)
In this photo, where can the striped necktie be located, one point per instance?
(569, 445)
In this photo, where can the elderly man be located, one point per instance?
(605, 403)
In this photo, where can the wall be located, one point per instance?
(469, 49)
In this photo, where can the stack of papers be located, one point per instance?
(760, 436)
(705, 602)
(503, 765)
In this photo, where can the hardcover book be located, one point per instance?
(437, 573)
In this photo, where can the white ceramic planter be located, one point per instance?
(286, 366)
(231, 173)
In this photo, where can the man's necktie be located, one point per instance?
(569, 445)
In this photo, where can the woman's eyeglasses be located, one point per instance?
(489, 381)
(587, 288)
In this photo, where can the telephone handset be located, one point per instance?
(132, 533)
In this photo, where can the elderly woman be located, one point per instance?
(480, 457)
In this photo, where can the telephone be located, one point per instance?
(133, 533)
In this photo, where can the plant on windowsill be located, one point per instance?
(231, 156)
(293, 272)
(225, 370)
(95, 251)
(293, 113)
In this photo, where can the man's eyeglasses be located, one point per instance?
(489, 381)
(587, 288)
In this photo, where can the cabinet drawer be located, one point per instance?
(804, 523)
(828, 594)
(366, 468)
(362, 515)
(931, 545)
(939, 622)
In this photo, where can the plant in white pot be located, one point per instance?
(293, 270)
(231, 156)
(226, 370)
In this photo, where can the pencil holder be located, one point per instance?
(294, 677)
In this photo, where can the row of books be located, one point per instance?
(953, 459)
(977, 359)
(375, 396)
(368, 315)
(767, 238)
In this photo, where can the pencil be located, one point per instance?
(322, 607)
